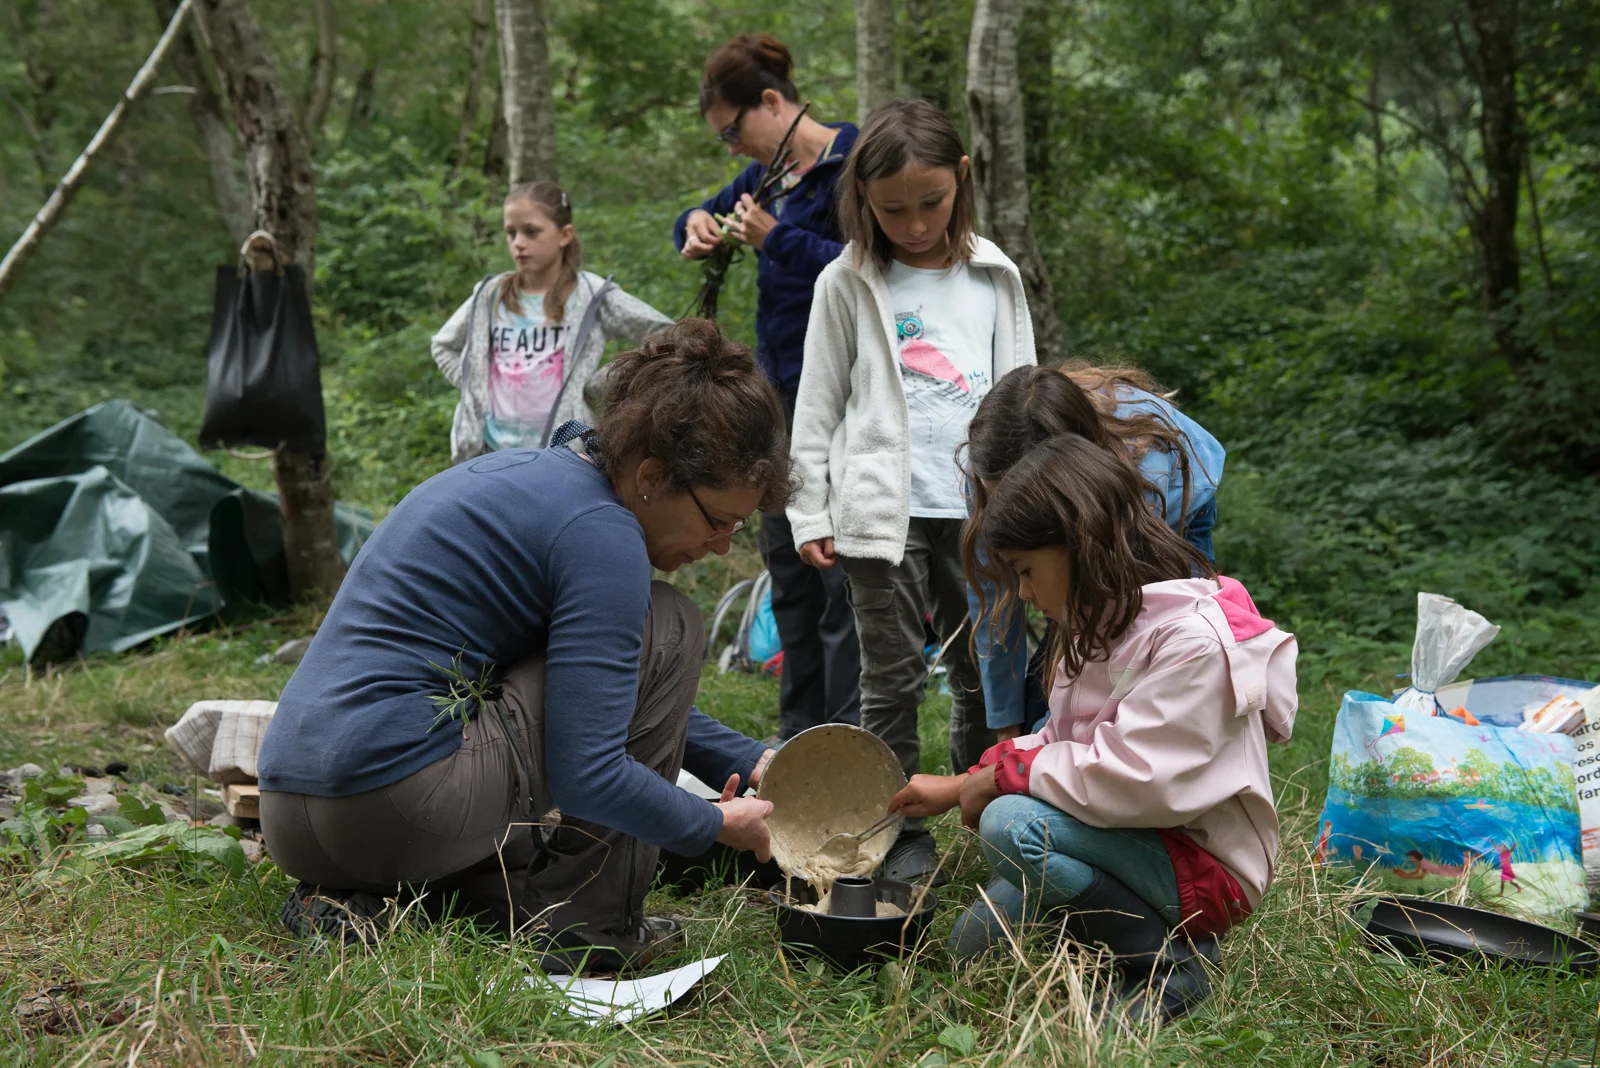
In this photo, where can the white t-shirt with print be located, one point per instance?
(527, 359)
(944, 319)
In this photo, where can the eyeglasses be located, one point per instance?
(730, 133)
(717, 531)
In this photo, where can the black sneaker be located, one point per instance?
(573, 953)
(354, 917)
(914, 858)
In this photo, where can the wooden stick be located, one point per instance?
(50, 214)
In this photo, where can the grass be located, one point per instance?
(159, 966)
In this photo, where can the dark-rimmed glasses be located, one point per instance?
(717, 530)
(730, 136)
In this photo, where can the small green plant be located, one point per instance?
(465, 697)
(51, 839)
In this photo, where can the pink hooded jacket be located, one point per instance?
(1170, 730)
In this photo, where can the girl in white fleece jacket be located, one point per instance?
(909, 328)
(1143, 809)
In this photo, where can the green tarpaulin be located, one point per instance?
(114, 530)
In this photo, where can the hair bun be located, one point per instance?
(740, 71)
(767, 50)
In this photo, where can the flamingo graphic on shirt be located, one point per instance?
(933, 384)
(923, 357)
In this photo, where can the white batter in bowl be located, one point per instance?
(825, 781)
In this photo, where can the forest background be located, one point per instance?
(1362, 261)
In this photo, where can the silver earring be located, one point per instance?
(645, 497)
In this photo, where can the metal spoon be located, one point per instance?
(860, 837)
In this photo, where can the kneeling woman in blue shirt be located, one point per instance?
(523, 578)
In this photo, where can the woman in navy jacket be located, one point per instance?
(750, 102)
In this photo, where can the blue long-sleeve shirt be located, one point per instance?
(489, 562)
(806, 240)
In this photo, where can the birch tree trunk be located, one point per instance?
(324, 67)
(214, 127)
(478, 48)
(283, 189)
(528, 93)
(874, 55)
(999, 160)
(64, 191)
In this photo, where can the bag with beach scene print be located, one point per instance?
(1419, 803)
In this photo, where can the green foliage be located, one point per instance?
(194, 848)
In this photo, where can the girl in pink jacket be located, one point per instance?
(1143, 809)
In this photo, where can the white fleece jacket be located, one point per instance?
(851, 438)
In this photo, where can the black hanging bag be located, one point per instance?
(263, 374)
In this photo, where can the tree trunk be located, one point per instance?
(478, 48)
(928, 60)
(324, 67)
(494, 151)
(363, 101)
(214, 127)
(1036, 72)
(1380, 191)
(283, 190)
(874, 55)
(64, 191)
(1504, 140)
(528, 95)
(40, 117)
(999, 160)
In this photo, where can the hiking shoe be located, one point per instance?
(353, 917)
(914, 858)
(574, 952)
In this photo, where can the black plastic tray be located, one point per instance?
(1420, 927)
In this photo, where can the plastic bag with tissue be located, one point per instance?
(1449, 635)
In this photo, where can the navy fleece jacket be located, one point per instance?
(806, 240)
(491, 561)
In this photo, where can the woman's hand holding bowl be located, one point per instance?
(744, 822)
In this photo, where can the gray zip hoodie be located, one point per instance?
(461, 349)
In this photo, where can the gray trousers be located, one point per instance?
(466, 828)
(890, 602)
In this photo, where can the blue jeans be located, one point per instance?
(1013, 694)
(1048, 858)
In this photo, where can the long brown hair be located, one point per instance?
(747, 66)
(1072, 494)
(897, 134)
(1034, 404)
(697, 402)
(558, 206)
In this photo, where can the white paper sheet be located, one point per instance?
(625, 1000)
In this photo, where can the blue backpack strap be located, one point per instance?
(573, 429)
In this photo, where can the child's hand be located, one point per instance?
(1005, 734)
(976, 793)
(928, 795)
(819, 553)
